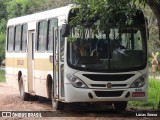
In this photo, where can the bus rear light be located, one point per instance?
(138, 94)
(76, 82)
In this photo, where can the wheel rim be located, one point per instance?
(54, 104)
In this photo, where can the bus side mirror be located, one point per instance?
(65, 30)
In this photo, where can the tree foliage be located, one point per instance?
(17, 8)
(154, 42)
(3, 21)
(105, 10)
(108, 10)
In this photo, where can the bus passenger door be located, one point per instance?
(59, 65)
(56, 61)
(30, 56)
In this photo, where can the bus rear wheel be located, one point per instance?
(24, 96)
(121, 106)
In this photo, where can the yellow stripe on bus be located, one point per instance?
(39, 63)
(43, 64)
(16, 62)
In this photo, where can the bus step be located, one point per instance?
(32, 93)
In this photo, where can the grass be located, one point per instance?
(153, 97)
(2, 76)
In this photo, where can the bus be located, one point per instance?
(45, 56)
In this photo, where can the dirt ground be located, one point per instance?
(10, 101)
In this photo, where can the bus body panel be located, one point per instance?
(43, 67)
(73, 94)
(42, 64)
(16, 62)
(63, 11)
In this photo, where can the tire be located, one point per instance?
(24, 96)
(33, 98)
(56, 105)
(49, 87)
(121, 106)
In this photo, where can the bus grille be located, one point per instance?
(113, 85)
(115, 77)
(108, 93)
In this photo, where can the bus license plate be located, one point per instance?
(138, 94)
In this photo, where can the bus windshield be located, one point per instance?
(116, 49)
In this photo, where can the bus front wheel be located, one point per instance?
(57, 105)
(24, 96)
(120, 105)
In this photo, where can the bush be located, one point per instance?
(2, 75)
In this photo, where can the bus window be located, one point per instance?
(127, 46)
(10, 39)
(52, 24)
(42, 36)
(24, 38)
(17, 38)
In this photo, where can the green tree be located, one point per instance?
(3, 16)
(155, 7)
(154, 42)
(17, 8)
(106, 9)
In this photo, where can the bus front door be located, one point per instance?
(56, 64)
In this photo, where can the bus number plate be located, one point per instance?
(138, 94)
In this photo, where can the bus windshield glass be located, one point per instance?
(115, 49)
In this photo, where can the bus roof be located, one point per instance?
(62, 11)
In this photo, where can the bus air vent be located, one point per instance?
(108, 93)
(115, 77)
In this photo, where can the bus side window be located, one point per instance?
(52, 25)
(24, 38)
(42, 36)
(10, 39)
(17, 38)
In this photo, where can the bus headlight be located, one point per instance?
(140, 82)
(76, 82)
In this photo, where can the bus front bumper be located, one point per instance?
(73, 94)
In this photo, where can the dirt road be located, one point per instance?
(10, 101)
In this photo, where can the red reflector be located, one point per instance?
(138, 94)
